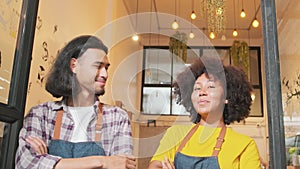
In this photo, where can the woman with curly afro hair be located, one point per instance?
(215, 95)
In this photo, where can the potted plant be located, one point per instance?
(294, 156)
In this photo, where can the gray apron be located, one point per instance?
(66, 149)
(182, 161)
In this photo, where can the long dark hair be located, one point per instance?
(235, 82)
(60, 78)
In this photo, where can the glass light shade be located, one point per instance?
(212, 35)
(235, 33)
(255, 23)
(223, 37)
(193, 15)
(192, 35)
(135, 37)
(243, 14)
(175, 25)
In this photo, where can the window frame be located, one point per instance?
(201, 50)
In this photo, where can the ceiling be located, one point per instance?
(184, 9)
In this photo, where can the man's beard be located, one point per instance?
(100, 93)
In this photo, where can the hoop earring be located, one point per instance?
(226, 101)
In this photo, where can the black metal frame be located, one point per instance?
(200, 49)
(273, 84)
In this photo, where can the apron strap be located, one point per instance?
(217, 148)
(99, 123)
(58, 122)
(219, 142)
(187, 137)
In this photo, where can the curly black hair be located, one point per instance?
(234, 80)
(60, 80)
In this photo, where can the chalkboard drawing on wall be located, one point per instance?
(41, 75)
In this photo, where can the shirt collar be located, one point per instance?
(61, 104)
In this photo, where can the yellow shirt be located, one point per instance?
(238, 151)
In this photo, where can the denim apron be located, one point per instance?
(66, 149)
(182, 161)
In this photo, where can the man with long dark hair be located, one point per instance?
(79, 131)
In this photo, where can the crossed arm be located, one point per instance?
(109, 162)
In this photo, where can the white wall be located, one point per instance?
(60, 21)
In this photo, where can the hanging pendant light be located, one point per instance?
(235, 33)
(135, 36)
(212, 35)
(175, 25)
(255, 22)
(191, 35)
(193, 14)
(243, 13)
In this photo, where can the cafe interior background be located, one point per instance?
(142, 70)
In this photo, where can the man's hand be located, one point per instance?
(120, 162)
(37, 144)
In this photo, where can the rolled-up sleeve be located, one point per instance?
(26, 157)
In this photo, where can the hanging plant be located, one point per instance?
(177, 45)
(239, 53)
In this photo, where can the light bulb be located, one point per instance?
(235, 33)
(193, 15)
(135, 37)
(255, 23)
(252, 96)
(243, 14)
(212, 35)
(175, 25)
(192, 35)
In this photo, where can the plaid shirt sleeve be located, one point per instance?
(117, 135)
(35, 125)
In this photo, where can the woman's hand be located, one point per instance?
(37, 144)
(166, 164)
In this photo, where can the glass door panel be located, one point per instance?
(9, 22)
(156, 100)
(157, 66)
